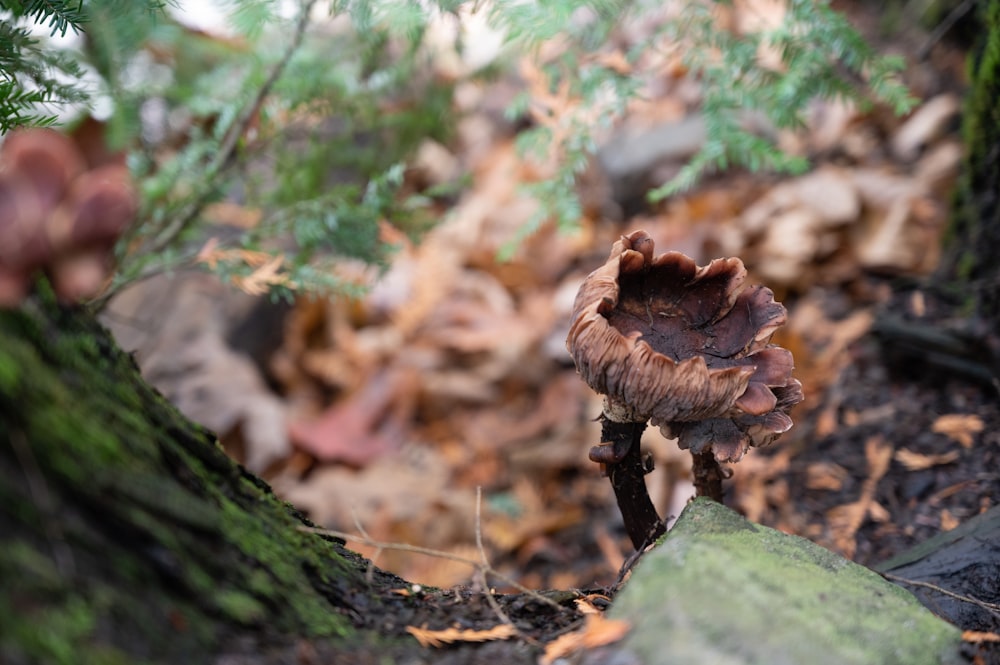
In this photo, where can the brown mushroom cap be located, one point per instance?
(685, 346)
(98, 207)
(57, 216)
(45, 158)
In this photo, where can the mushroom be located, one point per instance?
(687, 348)
(58, 216)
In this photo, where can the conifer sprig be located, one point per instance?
(311, 126)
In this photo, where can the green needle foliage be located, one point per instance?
(311, 123)
(34, 78)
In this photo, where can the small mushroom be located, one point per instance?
(57, 216)
(686, 347)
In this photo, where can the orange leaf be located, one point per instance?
(977, 637)
(845, 520)
(437, 638)
(959, 427)
(258, 282)
(918, 462)
(597, 631)
(825, 476)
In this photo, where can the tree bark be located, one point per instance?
(962, 337)
(973, 239)
(128, 536)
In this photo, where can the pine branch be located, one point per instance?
(61, 15)
(226, 152)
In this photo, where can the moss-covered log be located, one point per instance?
(127, 532)
(128, 536)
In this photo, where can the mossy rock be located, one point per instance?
(720, 590)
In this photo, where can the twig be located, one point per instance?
(227, 148)
(992, 608)
(479, 527)
(481, 570)
(224, 155)
(370, 573)
(440, 554)
(627, 566)
(944, 26)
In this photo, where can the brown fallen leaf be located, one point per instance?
(918, 462)
(960, 427)
(845, 520)
(594, 603)
(924, 125)
(948, 521)
(878, 513)
(264, 277)
(438, 638)
(978, 637)
(364, 426)
(597, 631)
(825, 476)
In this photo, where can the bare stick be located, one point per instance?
(992, 608)
(440, 554)
(370, 573)
(227, 149)
(481, 570)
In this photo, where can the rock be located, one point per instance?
(722, 590)
(963, 562)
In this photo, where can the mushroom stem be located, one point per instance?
(627, 477)
(707, 475)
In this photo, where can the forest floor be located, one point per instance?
(384, 417)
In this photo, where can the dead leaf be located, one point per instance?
(594, 603)
(615, 61)
(925, 125)
(190, 361)
(878, 513)
(364, 426)
(844, 521)
(960, 427)
(978, 637)
(597, 631)
(263, 278)
(233, 214)
(918, 462)
(825, 476)
(438, 638)
(538, 517)
(948, 521)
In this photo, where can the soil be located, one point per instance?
(897, 394)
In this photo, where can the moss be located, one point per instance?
(240, 607)
(722, 590)
(53, 634)
(973, 235)
(267, 541)
(171, 545)
(10, 375)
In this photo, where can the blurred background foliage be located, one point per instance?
(305, 115)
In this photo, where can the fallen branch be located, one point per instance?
(482, 567)
(992, 608)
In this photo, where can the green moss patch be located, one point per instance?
(129, 535)
(720, 590)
